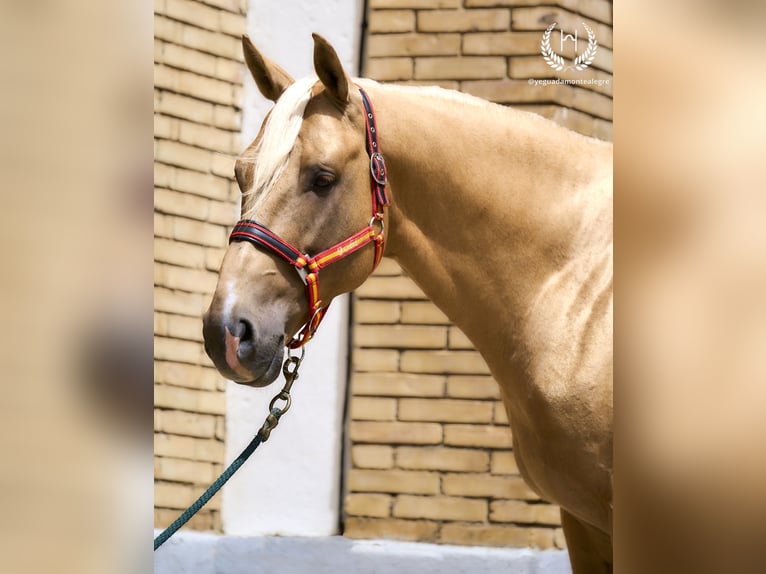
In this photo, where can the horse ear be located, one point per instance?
(330, 71)
(269, 77)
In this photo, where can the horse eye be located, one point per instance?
(323, 181)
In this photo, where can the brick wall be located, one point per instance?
(198, 83)
(431, 452)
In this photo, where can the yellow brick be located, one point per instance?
(393, 481)
(206, 137)
(427, 4)
(386, 21)
(366, 311)
(181, 106)
(540, 17)
(192, 376)
(192, 12)
(463, 20)
(390, 528)
(470, 67)
(222, 165)
(220, 428)
(186, 424)
(440, 508)
(373, 409)
(213, 43)
(400, 336)
(377, 505)
(494, 3)
(183, 58)
(183, 229)
(227, 117)
(233, 6)
(395, 432)
(477, 436)
(600, 10)
(184, 204)
(229, 71)
(458, 340)
(443, 362)
(166, 29)
(440, 458)
(181, 155)
(487, 485)
(178, 350)
(232, 24)
(502, 44)
(223, 213)
(179, 470)
(467, 387)
(397, 384)
(204, 184)
(522, 512)
(445, 410)
(513, 536)
(366, 360)
(501, 415)
(180, 496)
(183, 254)
(423, 312)
(191, 304)
(372, 456)
(204, 520)
(503, 463)
(165, 127)
(389, 69)
(191, 400)
(209, 450)
(213, 259)
(390, 288)
(183, 278)
(603, 130)
(590, 102)
(413, 45)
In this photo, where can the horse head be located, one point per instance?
(305, 183)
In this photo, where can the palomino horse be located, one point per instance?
(503, 218)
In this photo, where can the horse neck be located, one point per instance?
(487, 203)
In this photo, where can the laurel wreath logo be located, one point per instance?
(556, 62)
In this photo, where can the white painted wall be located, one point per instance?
(291, 485)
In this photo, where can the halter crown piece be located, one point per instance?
(308, 267)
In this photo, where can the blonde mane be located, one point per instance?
(279, 137)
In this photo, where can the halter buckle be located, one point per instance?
(378, 168)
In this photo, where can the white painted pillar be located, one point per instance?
(291, 485)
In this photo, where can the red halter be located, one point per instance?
(308, 267)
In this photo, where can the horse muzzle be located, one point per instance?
(240, 351)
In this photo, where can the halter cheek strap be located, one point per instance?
(308, 267)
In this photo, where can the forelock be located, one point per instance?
(279, 137)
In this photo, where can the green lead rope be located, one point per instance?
(209, 493)
(290, 372)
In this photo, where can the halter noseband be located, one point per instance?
(308, 267)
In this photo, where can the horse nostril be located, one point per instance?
(245, 330)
